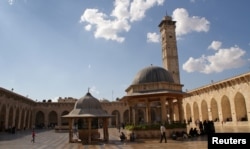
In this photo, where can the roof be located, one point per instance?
(88, 106)
(152, 74)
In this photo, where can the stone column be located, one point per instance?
(89, 130)
(180, 109)
(171, 110)
(210, 117)
(133, 115)
(130, 114)
(163, 109)
(29, 119)
(105, 129)
(147, 112)
(70, 130)
(14, 117)
(24, 121)
(19, 119)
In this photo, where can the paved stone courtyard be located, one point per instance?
(49, 139)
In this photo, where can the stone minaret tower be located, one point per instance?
(169, 47)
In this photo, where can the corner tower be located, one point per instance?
(169, 47)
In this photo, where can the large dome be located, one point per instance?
(152, 74)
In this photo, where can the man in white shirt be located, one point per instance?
(163, 133)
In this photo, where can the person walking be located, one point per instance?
(33, 136)
(163, 133)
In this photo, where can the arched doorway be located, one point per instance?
(115, 121)
(2, 118)
(226, 109)
(52, 119)
(39, 122)
(240, 107)
(214, 110)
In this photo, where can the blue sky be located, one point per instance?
(60, 48)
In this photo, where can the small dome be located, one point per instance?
(88, 106)
(152, 74)
(88, 102)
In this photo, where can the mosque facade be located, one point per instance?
(155, 95)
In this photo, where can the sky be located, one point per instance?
(63, 48)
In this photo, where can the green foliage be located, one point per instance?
(154, 126)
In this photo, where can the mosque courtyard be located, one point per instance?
(49, 139)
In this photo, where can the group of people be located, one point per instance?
(205, 127)
(133, 136)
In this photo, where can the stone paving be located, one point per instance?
(49, 139)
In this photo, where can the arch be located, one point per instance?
(214, 110)
(64, 121)
(115, 121)
(52, 119)
(204, 110)
(240, 107)
(226, 109)
(40, 120)
(196, 111)
(2, 118)
(22, 119)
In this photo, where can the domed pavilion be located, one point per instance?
(85, 120)
(154, 97)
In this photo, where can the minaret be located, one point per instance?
(169, 47)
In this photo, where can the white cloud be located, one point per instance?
(88, 27)
(222, 60)
(153, 37)
(11, 2)
(94, 90)
(139, 7)
(120, 10)
(215, 45)
(55, 99)
(124, 13)
(186, 24)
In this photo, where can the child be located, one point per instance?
(33, 136)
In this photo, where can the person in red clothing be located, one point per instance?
(33, 136)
